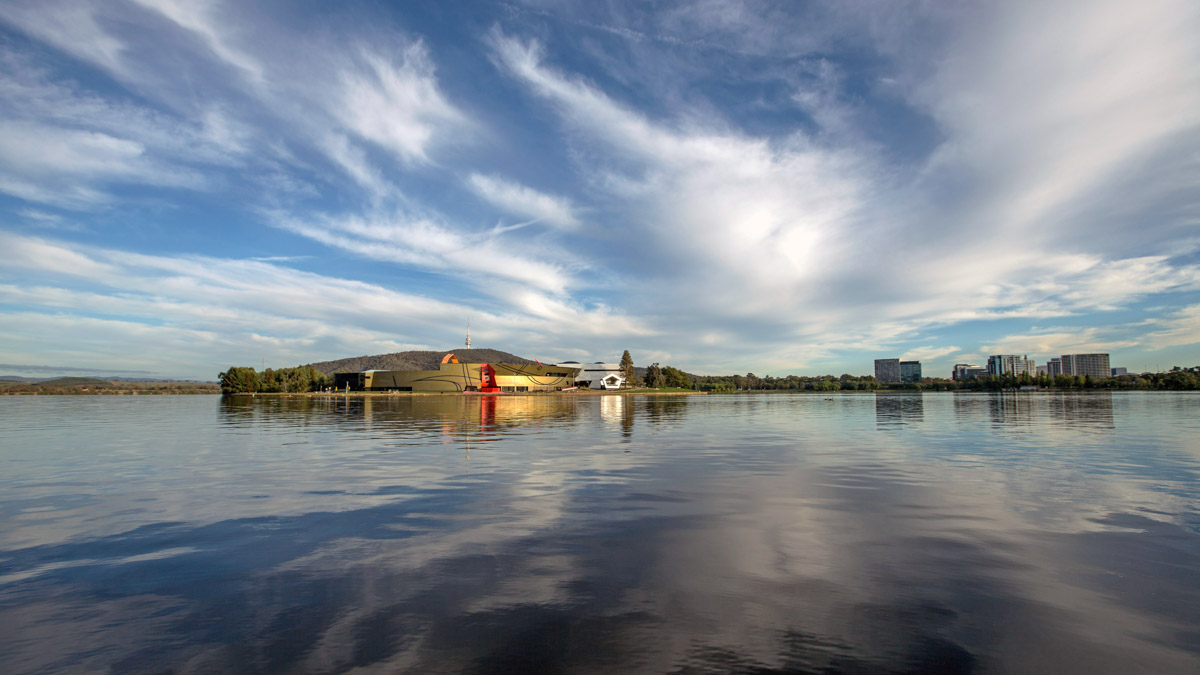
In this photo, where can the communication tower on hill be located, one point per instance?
(468, 333)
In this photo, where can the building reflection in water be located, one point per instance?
(1030, 410)
(1089, 409)
(618, 409)
(1011, 408)
(406, 416)
(893, 411)
(473, 419)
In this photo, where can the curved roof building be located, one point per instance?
(453, 376)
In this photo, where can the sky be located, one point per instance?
(724, 187)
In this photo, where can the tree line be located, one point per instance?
(1178, 380)
(241, 380)
(657, 376)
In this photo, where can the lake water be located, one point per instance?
(1049, 532)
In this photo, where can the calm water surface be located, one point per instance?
(790, 533)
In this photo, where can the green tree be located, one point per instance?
(654, 376)
(674, 377)
(627, 370)
(239, 380)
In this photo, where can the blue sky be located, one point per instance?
(720, 186)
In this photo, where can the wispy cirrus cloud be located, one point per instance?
(742, 219)
(1178, 328)
(367, 104)
(1056, 341)
(832, 235)
(715, 186)
(215, 308)
(425, 243)
(525, 201)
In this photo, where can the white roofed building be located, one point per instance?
(598, 375)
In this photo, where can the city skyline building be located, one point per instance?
(910, 371)
(887, 371)
(1010, 364)
(966, 371)
(1095, 366)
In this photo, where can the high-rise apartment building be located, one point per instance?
(887, 371)
(1054, 367)
(1094, 366)
(910, 371)
(1010, 364)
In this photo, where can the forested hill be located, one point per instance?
(418, 360)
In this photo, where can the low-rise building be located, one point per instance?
(598, 375)
(966, 371)
(452, 376)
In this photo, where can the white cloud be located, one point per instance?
(1178, 328)
(797, 242)
(423, 243)
(199, 16)
(71, 26)
(740, 223)
(524, 201)
(1056, 341)
(62, 145)
(1042, 105)
(823, 245)
(214, 309)
(40, 151)
(928, 353)
(394, 102)
(371, 103)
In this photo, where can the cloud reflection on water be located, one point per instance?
(772, 533)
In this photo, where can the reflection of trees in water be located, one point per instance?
(663, 408)
(893, 410)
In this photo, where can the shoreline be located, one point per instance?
(390, 394)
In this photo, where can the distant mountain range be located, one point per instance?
(82, 380)
(415, 360)
(51, 381)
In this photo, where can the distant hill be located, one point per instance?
(10, 379)
(69, 381)
(415, 360)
